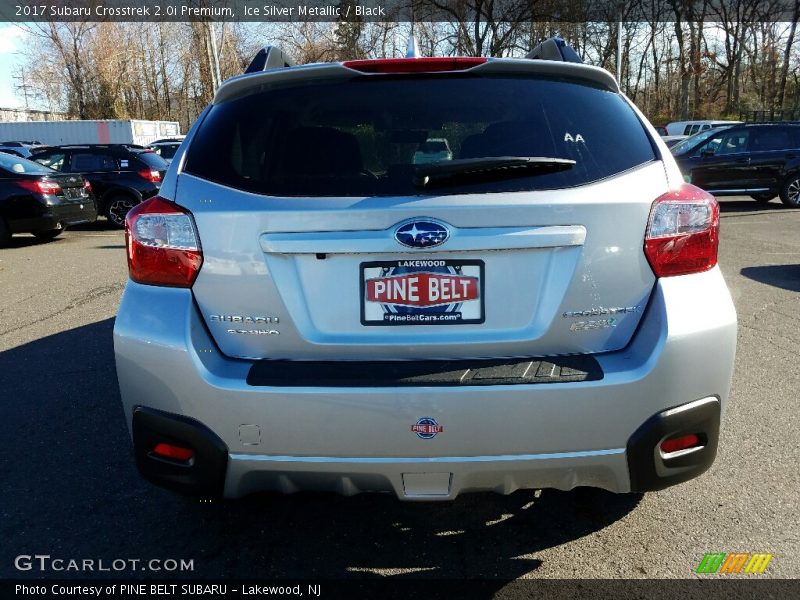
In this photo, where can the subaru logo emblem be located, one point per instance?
(422, 233)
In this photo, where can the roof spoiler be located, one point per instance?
(555, 48)
(269, 57)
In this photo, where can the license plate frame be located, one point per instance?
(452, 313)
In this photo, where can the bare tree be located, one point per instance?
(787, 52)
(705, 58)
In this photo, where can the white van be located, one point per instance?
(692, 127)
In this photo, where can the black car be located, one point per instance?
(35, 199)
(122, 176)
(761, 160)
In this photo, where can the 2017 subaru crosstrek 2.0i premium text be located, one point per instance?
(310, 310)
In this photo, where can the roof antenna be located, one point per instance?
(412, 51)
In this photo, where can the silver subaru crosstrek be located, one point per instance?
(308, 309)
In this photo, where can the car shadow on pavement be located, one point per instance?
(748, 206)
(24, 240)
(71, 490)
(786, 277)
(101, 224)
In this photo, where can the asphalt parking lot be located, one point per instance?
(70, 489)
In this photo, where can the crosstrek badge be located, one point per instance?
(422, 289)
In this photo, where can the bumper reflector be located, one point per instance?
(173, 452)
(680, 443)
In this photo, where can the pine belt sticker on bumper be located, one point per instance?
(422, 292)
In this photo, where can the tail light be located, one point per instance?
(39, 186)
(151, 175)
(683, 232)
(173, 452)
(683, 442)
(163, 246)
(433, 64)
(87, 186)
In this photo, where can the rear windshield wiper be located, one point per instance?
(477, 170)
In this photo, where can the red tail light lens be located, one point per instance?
(683, 232)
(433, 64)
(173, 452)
(163, 246)
(150, 175)
(39, 186)
(680, 443)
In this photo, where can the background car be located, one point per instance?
(165, 149)
(36, 199)
(432, 150)
(176, 138)
(121, 175)
(761, 160)
(692, 127)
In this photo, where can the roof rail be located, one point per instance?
(554, 48)
(269, 57)
(130, 146)
(770, 123)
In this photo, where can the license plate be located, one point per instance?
(422, 292)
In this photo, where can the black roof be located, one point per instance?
(795, 123)
(123, 147)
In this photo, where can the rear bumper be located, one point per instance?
(673, 378)
(637, 468)
(45, 218)
(75, 214)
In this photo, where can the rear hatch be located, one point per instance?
(72, 188)
(322, 240)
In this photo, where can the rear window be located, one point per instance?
(359, 137)
(166, 150)
(772, 138)
(15, 164)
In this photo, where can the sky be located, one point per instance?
(11, 40)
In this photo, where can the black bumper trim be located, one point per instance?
(509, 371)
(204, 475)
(66, 214)
(649, 469)
(71, 215)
